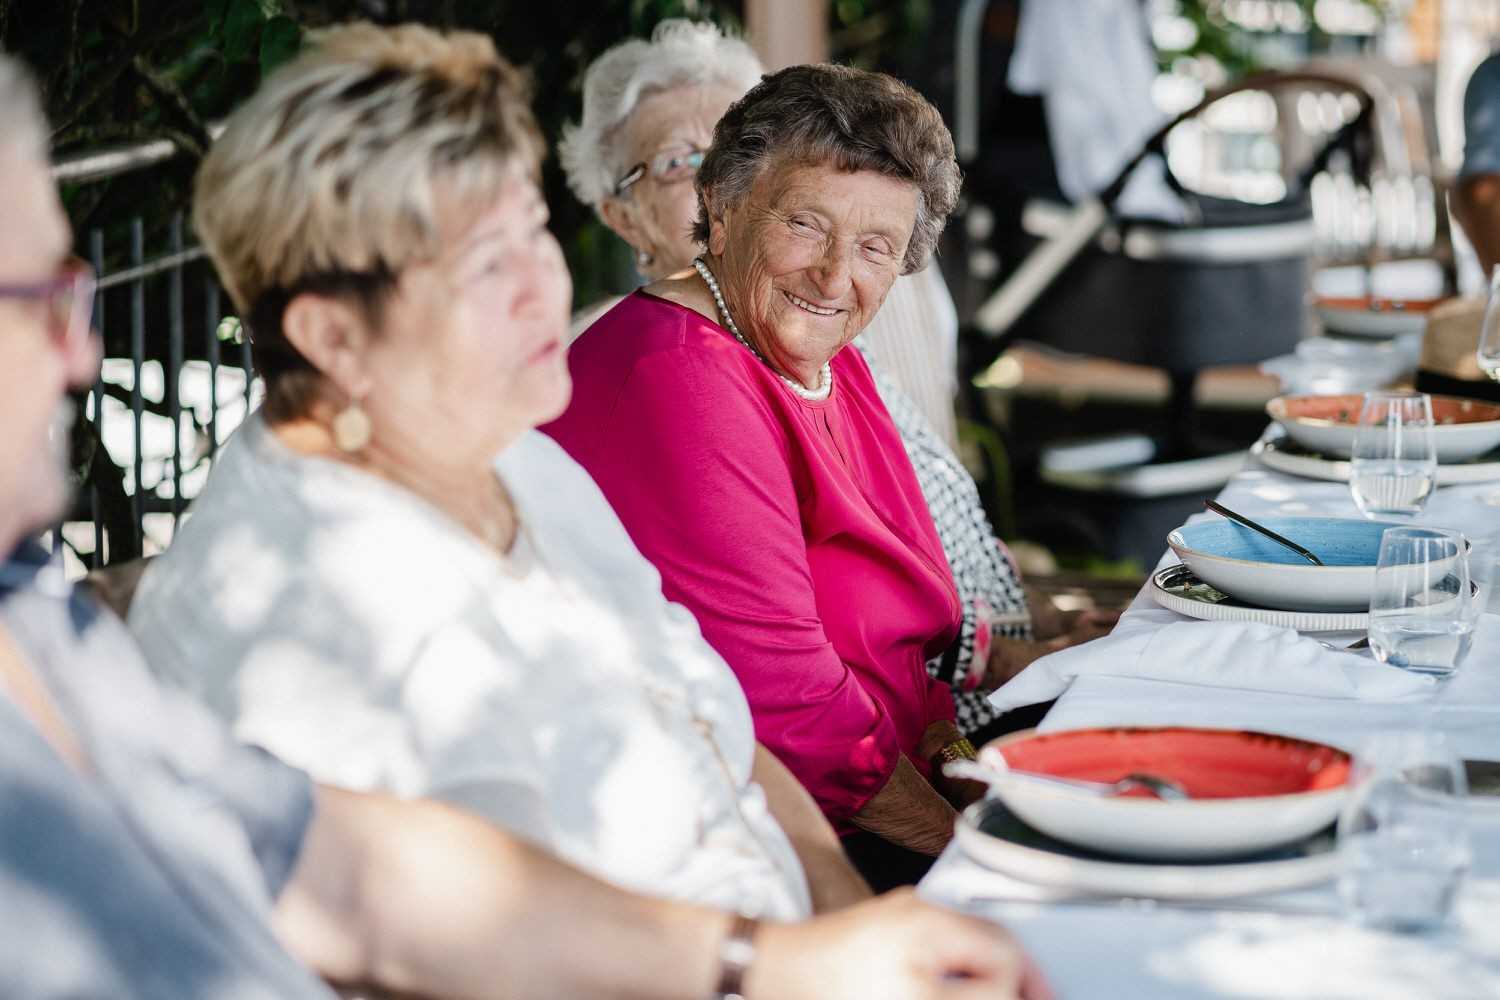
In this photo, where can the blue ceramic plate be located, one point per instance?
(1246, 565)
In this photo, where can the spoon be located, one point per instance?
(1219, 508)
(1161, 788)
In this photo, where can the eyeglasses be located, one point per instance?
(68, 297)
(667, 167)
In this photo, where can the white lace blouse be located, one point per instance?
(358, 632)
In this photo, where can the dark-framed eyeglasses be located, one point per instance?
(67, 296)
(667, 167)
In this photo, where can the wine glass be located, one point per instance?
(1393, 463)
(1488, 354)
(1403, 837)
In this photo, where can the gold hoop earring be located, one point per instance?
(351, 428)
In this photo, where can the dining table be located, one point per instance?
(1294, 943)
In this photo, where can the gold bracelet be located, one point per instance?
(959, 749)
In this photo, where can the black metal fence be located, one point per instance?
(143, 444)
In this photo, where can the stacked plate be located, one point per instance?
(1257, 818)
(1313, 435)
(1465, 428)
(1384, 301)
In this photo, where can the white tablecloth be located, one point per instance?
(1126, 952)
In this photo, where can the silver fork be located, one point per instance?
(1162, 788)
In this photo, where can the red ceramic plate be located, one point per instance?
(1371, 304)
(1344, 409)
(1248, 791)
(1208, 763)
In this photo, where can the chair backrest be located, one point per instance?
(114, 586)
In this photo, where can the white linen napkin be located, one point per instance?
(1244, 655)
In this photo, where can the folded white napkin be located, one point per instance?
(1245, 655)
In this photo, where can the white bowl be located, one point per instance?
(1196, 829)
(1248, 565)
(1376, 324)
(1465, 428)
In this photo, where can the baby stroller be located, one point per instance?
(1226, 286)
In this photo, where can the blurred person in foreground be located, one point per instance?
(649, 108)
(143, 853)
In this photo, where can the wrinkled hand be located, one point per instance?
(1081, 626)
(895, 947)
(1009, 657)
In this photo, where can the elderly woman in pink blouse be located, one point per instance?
(752, 461)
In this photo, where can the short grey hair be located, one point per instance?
(680, 53)
(850, 119)
(23, 125)
(327, 179)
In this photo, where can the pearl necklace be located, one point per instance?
(825, 376)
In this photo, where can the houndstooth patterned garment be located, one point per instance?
(981, 566)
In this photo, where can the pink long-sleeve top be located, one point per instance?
(794, 530)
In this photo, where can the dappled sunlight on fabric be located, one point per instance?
(1272, 955)
(1260, 958)
(289, 697)
(1276, 493)
(262, 570)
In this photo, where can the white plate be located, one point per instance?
(1383, 324)
(1277, 451)
(1230, 610)
(1042, 861)
(1460, 441)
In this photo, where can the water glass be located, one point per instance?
(1484, 575)
(1422, 608)
(1393, 464)
(1403, 836)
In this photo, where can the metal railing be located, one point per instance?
(149, 447)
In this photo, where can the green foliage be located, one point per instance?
(279, 41)
(1232, 47)
(126, 71)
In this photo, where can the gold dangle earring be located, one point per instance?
(351, 427)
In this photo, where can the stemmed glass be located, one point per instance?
(1393, 464)
(1488, 354)
(1403, 837)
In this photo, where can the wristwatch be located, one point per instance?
(735, 955)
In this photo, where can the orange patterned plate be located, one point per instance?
(1248, 791)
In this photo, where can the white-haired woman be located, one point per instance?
(649, 109)
(363, 588)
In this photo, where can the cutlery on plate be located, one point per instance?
(1219, 508)
(1353, 647)
(1161, 788)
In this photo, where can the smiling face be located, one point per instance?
(806, 259)
(656, 215)
(35, 368)
(470, 352)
